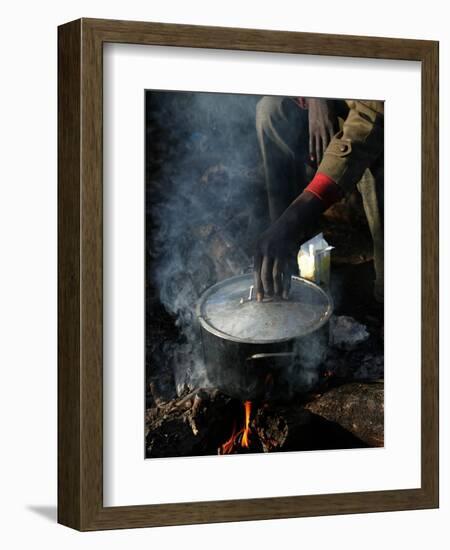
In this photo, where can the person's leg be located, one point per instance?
(371, 187)
(282, 130)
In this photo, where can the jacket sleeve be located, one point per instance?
(356, 146)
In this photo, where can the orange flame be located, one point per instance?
(229, 445)
(245, 442)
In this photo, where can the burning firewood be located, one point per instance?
(192, 424)
(242, 440)
(205, 422)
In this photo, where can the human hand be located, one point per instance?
(323, 125)
(276, 251)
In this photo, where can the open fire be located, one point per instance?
(239, 438)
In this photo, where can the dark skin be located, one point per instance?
(275, 256)
(323, 125)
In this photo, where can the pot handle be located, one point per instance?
(281, 355)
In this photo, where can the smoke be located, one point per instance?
(205, 206)
(311, 352)
(203, 193)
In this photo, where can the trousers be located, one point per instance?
(282, 128)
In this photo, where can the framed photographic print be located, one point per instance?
(248, 274)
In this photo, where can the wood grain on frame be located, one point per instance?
(80, 261)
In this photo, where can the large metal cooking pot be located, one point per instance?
(262, 350)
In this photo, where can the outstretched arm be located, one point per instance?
(346, 158)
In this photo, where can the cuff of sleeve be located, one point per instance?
(325, 189)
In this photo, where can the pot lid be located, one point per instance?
(226, 311)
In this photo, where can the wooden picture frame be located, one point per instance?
(80, 271)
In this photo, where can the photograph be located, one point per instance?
(223, 279)
(264, 273)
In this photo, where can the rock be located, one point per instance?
(370, 368)
(346, 333)
(357, 407)
(352, 366)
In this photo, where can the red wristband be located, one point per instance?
(325, 189)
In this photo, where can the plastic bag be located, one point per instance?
(314, 260)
